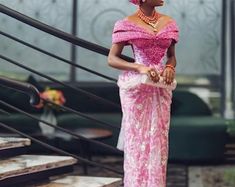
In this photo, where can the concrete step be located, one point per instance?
(83, 181)
(27, 165)
(10, 143)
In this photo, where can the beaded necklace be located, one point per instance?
(152, 21)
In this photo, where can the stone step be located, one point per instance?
(83, 181)
(29, 164)
(10, 142)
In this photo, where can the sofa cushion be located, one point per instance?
(21, 123)
(195, 139)
(185, 103)
(73, 121)
(86, 104)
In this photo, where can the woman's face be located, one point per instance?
(155, 2)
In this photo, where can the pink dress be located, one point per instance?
(146, 109)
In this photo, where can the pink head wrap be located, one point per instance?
(136, 2)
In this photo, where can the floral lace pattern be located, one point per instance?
(146, 109)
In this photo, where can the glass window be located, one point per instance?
(56, 13)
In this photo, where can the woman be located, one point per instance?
(146, 109)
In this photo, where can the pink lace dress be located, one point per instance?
(146, 109)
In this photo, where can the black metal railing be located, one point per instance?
(34, 100)
(58, 33)
(50, 78)
(56, 57)
(223, 57)
(99, 122)
(64, 36)
(57, 150)
(233, 50)
(60, 128)
(26, 88)
(72, 88)
(76, 41)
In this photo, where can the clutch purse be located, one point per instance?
(146, 80)
(135, 80)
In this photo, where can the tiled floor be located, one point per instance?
(212, 176)
(176, 175)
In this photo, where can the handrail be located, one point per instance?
(61, 83)
(57, 150)
(233, 49)
(26, 88)
(16, 86)
(61, 128)
(58, 33)
(56, 57)
(4, 112)
(76, 41)
(35, 99)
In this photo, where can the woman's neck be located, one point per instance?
(147, 10)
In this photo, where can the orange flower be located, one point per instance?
(52, 95)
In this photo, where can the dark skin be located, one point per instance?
(115, 61)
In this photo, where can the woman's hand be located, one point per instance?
(151, 72)
(168, 75)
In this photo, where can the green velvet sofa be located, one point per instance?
(195, 135)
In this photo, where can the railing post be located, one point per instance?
(223, 57)
(226, 66)
(233, 50)
(73, 47)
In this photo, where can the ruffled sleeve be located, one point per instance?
(172, 32)
(120, 33)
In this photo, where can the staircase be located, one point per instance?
(16, 165)
(37, 170)
(13, 143)
(77, 181)
(22, 168)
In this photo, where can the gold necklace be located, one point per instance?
(152, 21)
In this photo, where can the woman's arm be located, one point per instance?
(171, 55)
(169, 71)
(115, 61)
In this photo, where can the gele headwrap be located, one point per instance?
(136, 2)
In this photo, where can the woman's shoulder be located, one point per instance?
(171, 26)
(131, 17)
(168, 20)
(166, 17)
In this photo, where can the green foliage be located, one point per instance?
(231, 127)
(229, 177)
